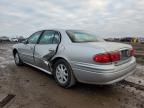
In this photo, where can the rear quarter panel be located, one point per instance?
(83, 54)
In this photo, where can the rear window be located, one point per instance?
(81, 36)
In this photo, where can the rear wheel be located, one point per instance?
(63, 74)
(17, 59)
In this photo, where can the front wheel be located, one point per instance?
(17, 59)
(63, 74)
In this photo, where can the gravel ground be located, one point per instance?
(34, 89)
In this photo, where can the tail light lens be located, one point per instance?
(107, 57)
(115, 56)
(102, 58)
(132, 52)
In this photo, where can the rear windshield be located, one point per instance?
(81, 36)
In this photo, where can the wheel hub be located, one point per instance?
(61, 73)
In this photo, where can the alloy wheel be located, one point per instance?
(62, 73)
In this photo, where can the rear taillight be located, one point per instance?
(115, 56)
(102, 58)
(107, 57)
(132, 52)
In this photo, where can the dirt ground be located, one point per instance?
(35, 89)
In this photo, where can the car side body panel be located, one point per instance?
(80, 58)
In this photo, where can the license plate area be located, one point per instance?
(125, 54)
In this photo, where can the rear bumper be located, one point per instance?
(104, 75)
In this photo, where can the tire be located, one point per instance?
(63, 69)
(17, 59)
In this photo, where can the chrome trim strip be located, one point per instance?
(39, 68)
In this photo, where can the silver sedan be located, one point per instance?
(75, 55)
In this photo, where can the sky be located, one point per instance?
(107, 18)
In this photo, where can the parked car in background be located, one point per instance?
(4, 39)
(75, 55)
(13, 39)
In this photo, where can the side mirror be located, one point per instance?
(25, 41)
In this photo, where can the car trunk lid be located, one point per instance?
(113, 46)
(110, 46)
(124, 49)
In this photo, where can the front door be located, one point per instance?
(28, 48)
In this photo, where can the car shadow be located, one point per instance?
(104, 90)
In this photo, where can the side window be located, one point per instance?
(34, 38)
(49, 37)
(56, 38)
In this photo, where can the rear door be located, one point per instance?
(46, 48)
(28, 48)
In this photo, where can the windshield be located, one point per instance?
(81, 36)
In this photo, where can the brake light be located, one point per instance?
(115, 56)
(132, 52)
(107, 57)
(102, 58)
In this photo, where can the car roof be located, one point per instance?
(63, 30)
